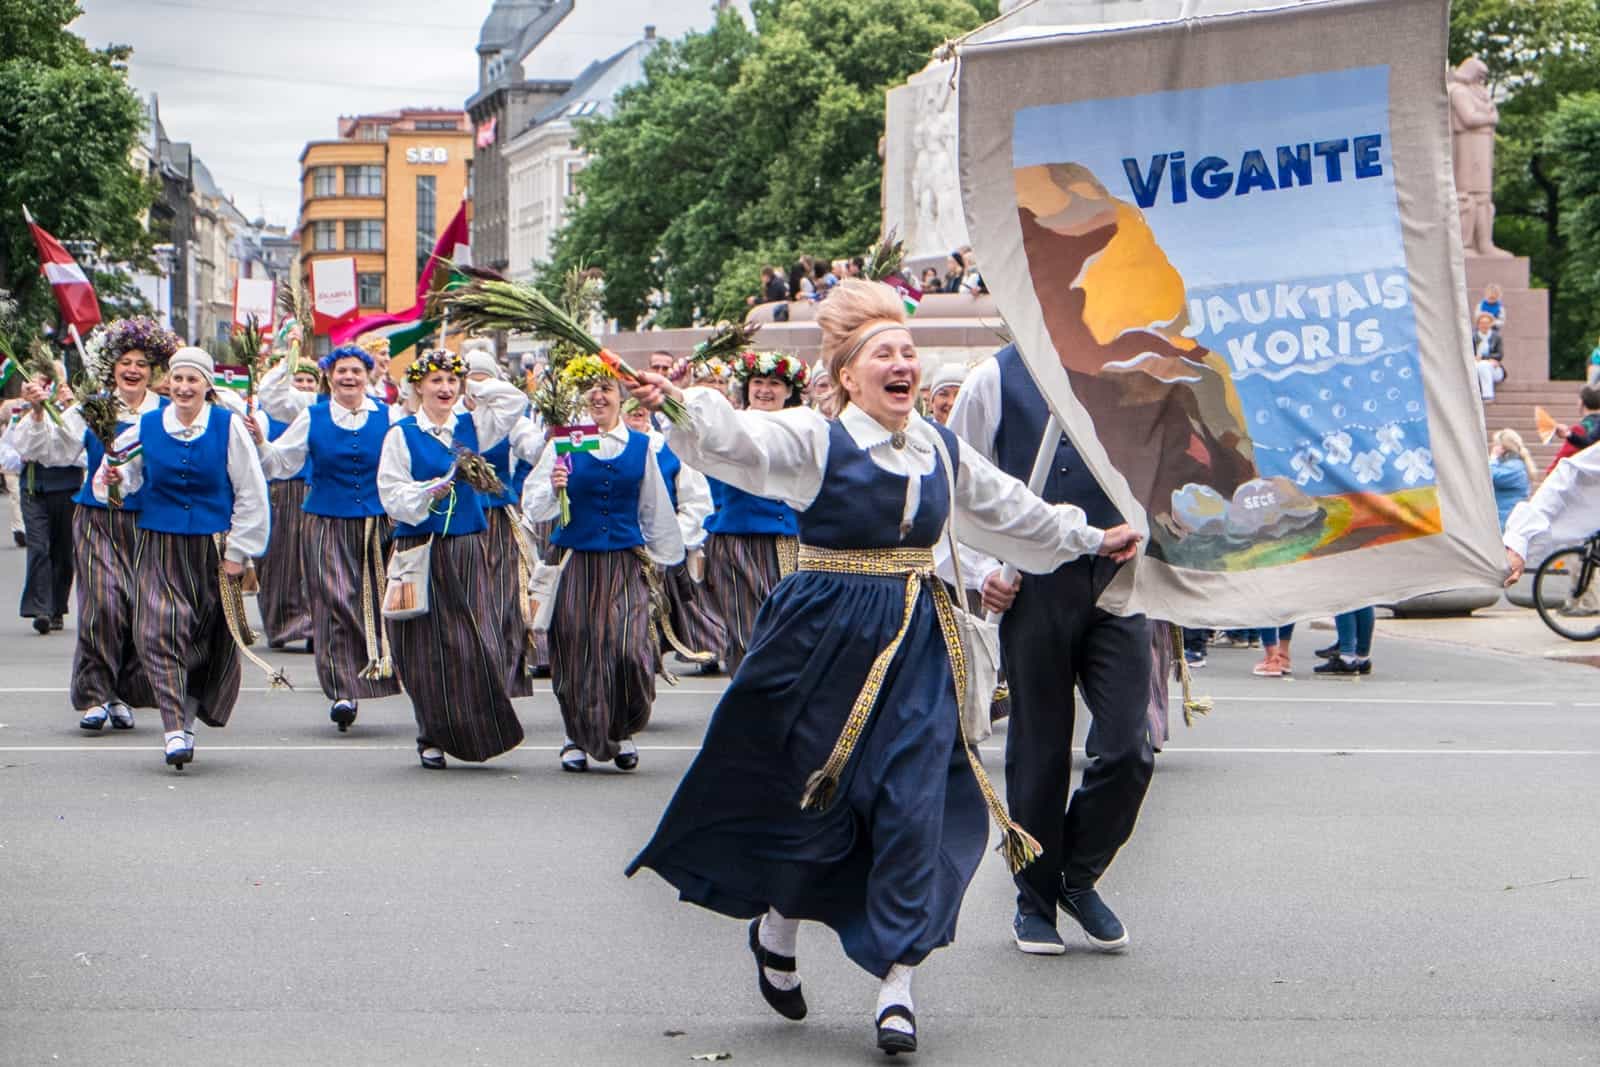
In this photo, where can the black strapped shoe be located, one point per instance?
(892, 1041)
(789, 1003)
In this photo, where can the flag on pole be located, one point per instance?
(74, 295)
(452, 246)
(570, 439)
(235, 378)
(910, 292)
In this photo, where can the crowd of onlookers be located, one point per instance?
(812, 278)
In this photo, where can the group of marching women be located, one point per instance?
(835, 783)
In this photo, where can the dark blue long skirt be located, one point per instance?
(887, 864)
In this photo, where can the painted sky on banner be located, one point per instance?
(1296, 276)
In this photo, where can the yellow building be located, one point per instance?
(382, 193)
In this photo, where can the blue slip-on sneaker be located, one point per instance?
(1036, 936)
(1101, 926)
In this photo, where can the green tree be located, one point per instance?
(68, 126)
(1539, 53)
(742, 147)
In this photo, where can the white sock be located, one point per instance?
(896, 989)
(628, 748)
(575, 755)
(778, 935)
(171, 736)
(99, 711)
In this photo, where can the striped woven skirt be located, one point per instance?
(506, 561)
(452, 660)
(603, 650)
(179, 630)
(333, 561)
(694, 616)
(284, 599)
(105, 666)
(741, 572)
(539, 534)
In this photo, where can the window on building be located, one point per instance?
(374, 133)
(363, 181)
(369, 290)
(324, 236)
(364, 235)
(469, 179)
(324, 181)
(427, 218)
(573, 168)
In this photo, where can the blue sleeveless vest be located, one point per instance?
(670, 464)
(1023, 413)
(274, 431)
(739, 512)
(186, 486)
(346, 462)
(430, 459)
(605, 499)
(94, 454)
(860, 504)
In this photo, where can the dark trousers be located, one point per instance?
(1052, 640)
(1195, 640)
(47, 524)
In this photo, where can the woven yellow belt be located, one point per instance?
(916, 566)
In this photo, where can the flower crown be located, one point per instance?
(581, 372)
(325, 364)
(144, 334)
(778, 365)
(435, 359)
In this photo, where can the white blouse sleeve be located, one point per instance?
(405, 499)
(132, 470)
(284, 457)
(498, 407)
(997, 515)
(539, 501)
(252, 518)
(42, 441)
(694, 506)
(657, 521)
(1566, 508)
(527, 441)
(780, 455)
(277, 396)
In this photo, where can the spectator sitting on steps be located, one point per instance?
(1487, 347)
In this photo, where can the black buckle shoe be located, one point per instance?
(342, 714)
(789, 1003)
(892, 1041)
(432, 763)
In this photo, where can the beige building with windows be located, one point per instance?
(382, 192)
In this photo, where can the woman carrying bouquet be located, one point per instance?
(202, 513)
(451, 659)
(834, 783)
(603, 649)
(107, 679)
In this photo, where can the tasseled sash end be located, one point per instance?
(280, 680)
(819, 791)
(377, 670)
(1019, 847)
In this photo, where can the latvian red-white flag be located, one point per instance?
(74, 295)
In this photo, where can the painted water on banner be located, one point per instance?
(1223, 274)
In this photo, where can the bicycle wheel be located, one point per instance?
(1567, 599)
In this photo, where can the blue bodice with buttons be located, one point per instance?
(739, 512)
(186, 486)
(861, 505)
(460, 513)
(670, 465)
(346, 462)
(605, 499)
(93, 454)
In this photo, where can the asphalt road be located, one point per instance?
(1401, 869)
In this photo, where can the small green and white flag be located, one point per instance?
(235, 378)
(570, 439)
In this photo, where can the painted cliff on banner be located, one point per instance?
(1222, 275)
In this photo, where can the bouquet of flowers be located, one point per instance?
(558, 405)
(728, 341)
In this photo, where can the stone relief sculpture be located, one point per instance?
(935, 171)
(1473, 118)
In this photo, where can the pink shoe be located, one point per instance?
(1270, 667)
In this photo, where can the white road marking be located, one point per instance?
(1442, 750)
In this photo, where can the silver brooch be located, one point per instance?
(897, 440)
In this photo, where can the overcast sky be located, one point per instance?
(248, 83)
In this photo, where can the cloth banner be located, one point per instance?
(254, 297)
(333, 293)
(1232, 263)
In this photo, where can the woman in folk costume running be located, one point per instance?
(107, 680)
(346, 530)
(691, 614)
(513, 459)
(451, 659)
(284, 598)
(604, 653)
(834, 783)
(752, 539)
(202, 513)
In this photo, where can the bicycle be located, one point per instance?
(1566, 591)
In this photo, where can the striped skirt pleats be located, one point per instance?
(179, 630)
(539, 534)
(452, 660)
(333, 562)
(506, 562)
(694, 616)
(284, 601)
(105, 666)
(603, 650)
(741, 572)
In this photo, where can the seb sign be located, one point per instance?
(427, 155)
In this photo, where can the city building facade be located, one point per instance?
(381, 193)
